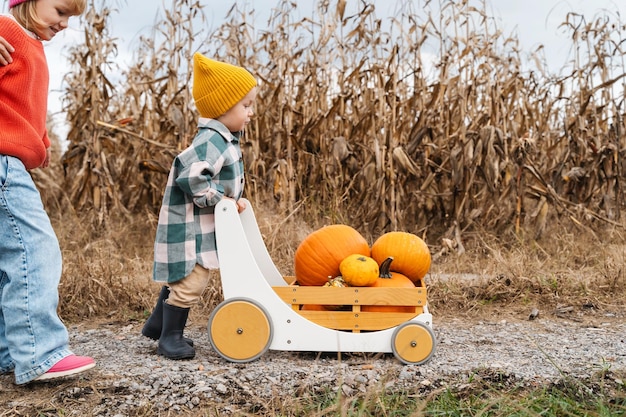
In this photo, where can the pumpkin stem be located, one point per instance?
(385, 268)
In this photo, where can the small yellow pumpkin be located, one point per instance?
(337, 282)
(359, 270)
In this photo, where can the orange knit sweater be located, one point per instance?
(23, 97)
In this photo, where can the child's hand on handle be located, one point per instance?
(5, 52)
(241, 205)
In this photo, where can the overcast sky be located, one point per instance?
(534, 22)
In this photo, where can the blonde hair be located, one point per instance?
(26, 13)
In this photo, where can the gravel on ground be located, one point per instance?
(130, 375)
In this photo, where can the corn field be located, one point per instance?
(431, 121)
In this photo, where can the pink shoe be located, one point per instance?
(69, 365)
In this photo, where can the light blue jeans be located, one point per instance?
(32, 337)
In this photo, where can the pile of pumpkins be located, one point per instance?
(339, 255)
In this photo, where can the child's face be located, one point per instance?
(53, 16)
(239, 115)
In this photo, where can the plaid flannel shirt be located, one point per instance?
(211, 168)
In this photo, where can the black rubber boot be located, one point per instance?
(172, 345)
(152, 327)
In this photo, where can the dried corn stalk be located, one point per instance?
(359, 119)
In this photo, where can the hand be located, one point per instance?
(46, 162)
(241, 205)
(5, 52)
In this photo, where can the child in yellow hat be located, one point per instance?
(206, 172)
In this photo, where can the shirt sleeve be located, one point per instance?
(196, 180)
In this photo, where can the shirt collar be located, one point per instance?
(204, 122)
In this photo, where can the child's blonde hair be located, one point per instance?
(26, 14)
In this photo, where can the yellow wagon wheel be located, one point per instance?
(413, 343)
(240, 330)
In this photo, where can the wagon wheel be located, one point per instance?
(413, 343)
(240, 330)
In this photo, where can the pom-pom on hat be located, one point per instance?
(13, 3)
(218, 86)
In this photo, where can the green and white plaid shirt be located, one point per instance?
(211, 168)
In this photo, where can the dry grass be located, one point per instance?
(109, 275)
(568, 276)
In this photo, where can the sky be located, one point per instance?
(534, 22)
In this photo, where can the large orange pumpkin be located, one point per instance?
(411, 256)
(313, 307)
(319, 255)
(390, 279)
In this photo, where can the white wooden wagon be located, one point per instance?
(263, 310)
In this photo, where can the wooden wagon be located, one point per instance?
(264, 310)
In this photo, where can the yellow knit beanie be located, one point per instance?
(218, 86)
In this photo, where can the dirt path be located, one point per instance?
(132, 380)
